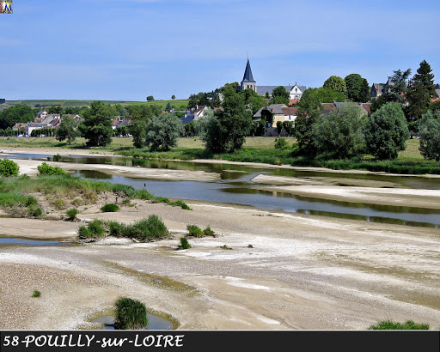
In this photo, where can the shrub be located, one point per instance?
(72, 213)
(130, 314)
(84, 232)
(56, 157)
(96, 228)
(8, 168)
(36, 293)
(45, 169)
(391, 325)
(194, 230)
(115, 228)
(184, 244)
(146, 229)
(181, 204)
(110, 208)
(281, 144)
(35, 212)
(208, 232)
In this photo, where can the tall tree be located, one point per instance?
(357, 88)
(337, 84)
(397, 86)
(163, 131)
(97, 125)
(386, 131)
(429, 133)
(17, 113)
(252, 100)
(68, 129)
(420, 92)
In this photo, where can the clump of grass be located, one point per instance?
(115, 228)
(194, 231)
(225, 247)
(181, 204)
(36, 293)
(392, 325)
(84, 232)
(110, 208)
(60, 204)
(56, 157)
(72, 213)
(208, 231)
(130, 314)
(144, 195)
(184, 244)
(37, 212)
(77, 202)
(146, 229)
(126, 202)
(94, 229)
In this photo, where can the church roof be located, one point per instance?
(248, 76)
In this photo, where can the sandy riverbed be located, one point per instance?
(300, 272)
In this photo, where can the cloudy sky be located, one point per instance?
(128, 49)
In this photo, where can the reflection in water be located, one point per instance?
(231, 193)
(8, 241)
(154, 322)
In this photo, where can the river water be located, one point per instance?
(235, 187)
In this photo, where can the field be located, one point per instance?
(178, 103)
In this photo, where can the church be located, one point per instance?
(248, 82)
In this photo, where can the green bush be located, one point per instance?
(8, 168)
(110, 208)
(84, 232)
(96, 228)
(35, 212)
(45, 169)
(281, 144)
(184, 244)
(115, 228)
(208, 232)
(36, 293)
(146, 229)
(194, 230)
(392, 325)
(57, 157)
(72, 213)
(130, 314)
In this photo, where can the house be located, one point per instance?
(327, 107)
(248, 82)
(42, 114)
(377, 89)
(280, 112)
(199, 111)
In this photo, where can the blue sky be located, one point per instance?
(128, 49)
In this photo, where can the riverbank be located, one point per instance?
(284, 271)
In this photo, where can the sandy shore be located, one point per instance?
(284, 271)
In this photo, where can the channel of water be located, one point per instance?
(235, 187)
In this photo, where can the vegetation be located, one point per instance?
(341, 132)
(97, 125)
(163, 132)
(144, 195)
(68, 129)
(8, 168)
(15, 114)
(130, 314)
(386, 132)
(208, 232)
(143, 230)
(47, 170)
(429, 133)
(138, 129)
(281, 144)
(184, 244)
(36, 294)
(358, 89)
(72, 213)
(110, 208)
(391, 325)
(194, 230)
(336, 84)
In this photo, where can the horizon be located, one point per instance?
(112, 50)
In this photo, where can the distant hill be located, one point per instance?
(75, 103)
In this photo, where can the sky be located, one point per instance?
(130, 49)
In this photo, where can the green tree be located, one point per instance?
(163, 131)
(97, 125)
(280, 96)
(337, 84)
(429, 133)
(138, 129)
(309, 108)
(279, 127)
(150, 98)
(420, 92)
(56, 110)
(68, 129)
(386, 132)
(341, 132)
(228, 131)
(358, 89)
(288, 127)
(189, 129)
(279, 100)
(17, 113)
(252, 100)
(327, 95)
(396, 89)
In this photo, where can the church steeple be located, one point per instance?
(248, 78)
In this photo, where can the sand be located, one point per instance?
(284, 271)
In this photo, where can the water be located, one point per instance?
(241, 192)
(8, 241)
(154, 322)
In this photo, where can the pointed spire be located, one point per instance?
(248, 76)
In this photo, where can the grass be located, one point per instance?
(194, 231)
(72, 213)
(130, 314)
(36, 293)
(144, 195)
(110, 208)
(392, 325)
(184, 244)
